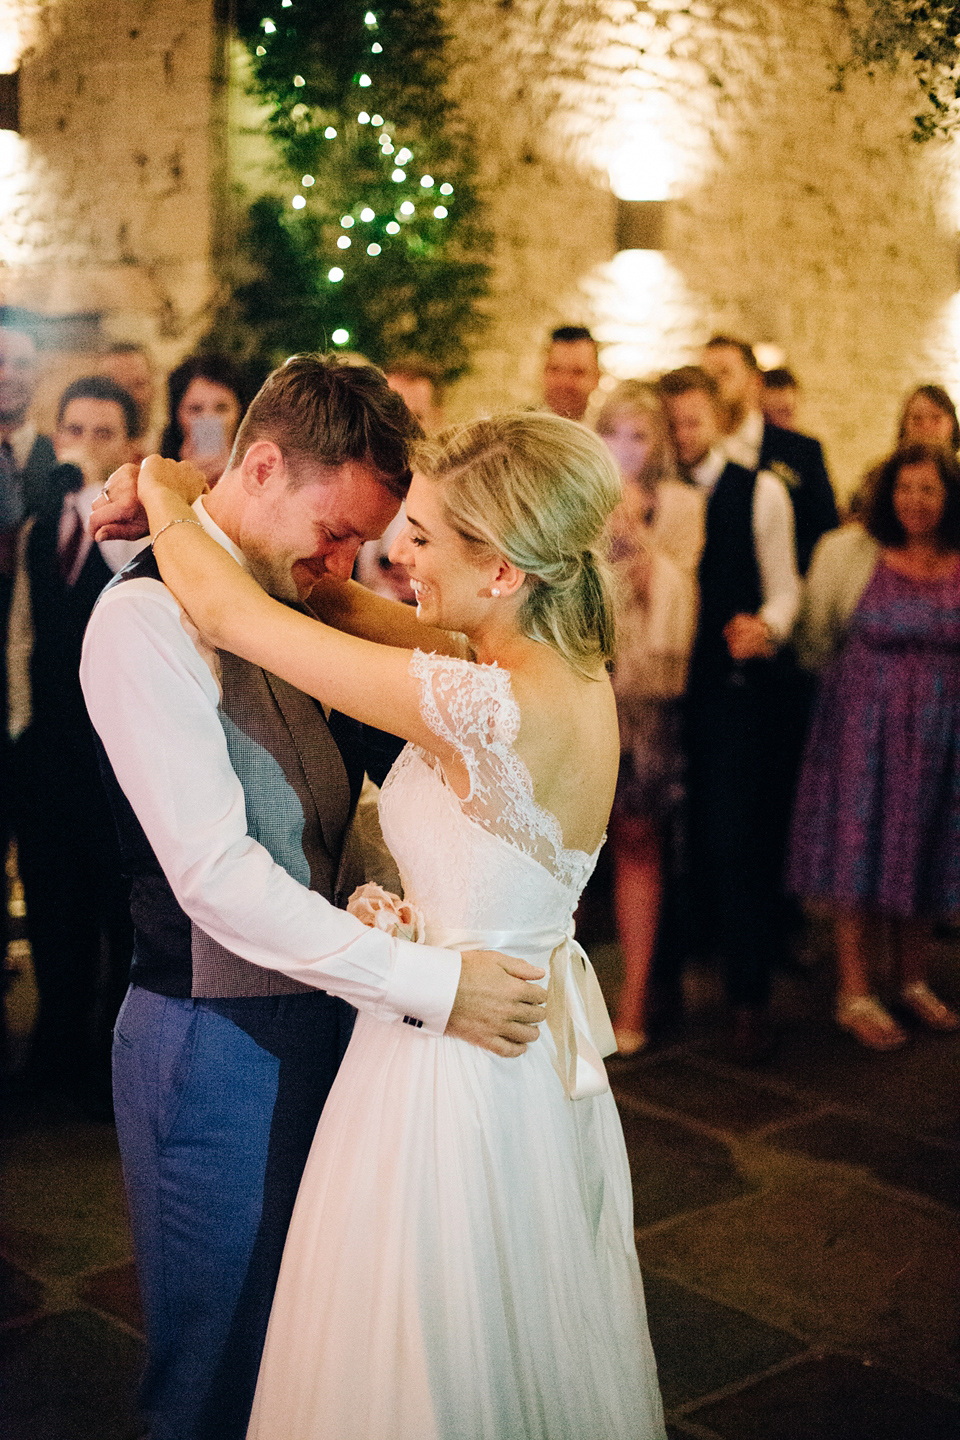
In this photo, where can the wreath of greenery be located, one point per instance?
(372, 241)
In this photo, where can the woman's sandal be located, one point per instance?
(629, 1042)
(869, 1022)
(928, 1008)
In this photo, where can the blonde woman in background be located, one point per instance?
(656, 535)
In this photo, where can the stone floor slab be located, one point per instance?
(675, 1169)
(20, 1296)
(888, 1155)
(57, 1227)
(701, 1346)
(831, 1259)
(70, 1376)
(833, 1398)
(116, 1291)
(917, 1088)
(725, 1101)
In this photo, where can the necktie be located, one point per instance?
(71, 538)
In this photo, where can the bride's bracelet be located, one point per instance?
(180, 520)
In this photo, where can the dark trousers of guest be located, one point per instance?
(216, 1102)
(78, 918)
(741, 749)
(6, 588)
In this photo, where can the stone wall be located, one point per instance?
(799, 214)
(107, 196)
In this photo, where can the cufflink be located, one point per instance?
(412, 1020)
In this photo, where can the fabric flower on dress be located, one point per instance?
(381, 910)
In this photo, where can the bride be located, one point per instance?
(461, 1262)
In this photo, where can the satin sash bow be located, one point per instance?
(578, 1021)
(576, 1012)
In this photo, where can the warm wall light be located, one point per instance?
(10, 101)
(641, 224)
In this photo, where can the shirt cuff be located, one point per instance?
(422, 986)
(777, 618)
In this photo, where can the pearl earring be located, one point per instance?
(495, 592)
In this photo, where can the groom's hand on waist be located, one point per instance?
(496, 1007)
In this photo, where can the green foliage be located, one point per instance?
(371, 151)
(925, 34)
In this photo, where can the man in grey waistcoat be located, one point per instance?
(233, 795)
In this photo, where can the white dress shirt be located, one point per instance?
(22, 442)
(743, 446)
(772, 518)
(151, 688)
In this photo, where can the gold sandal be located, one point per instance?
(629, 1042)
(869, 1022)
(928, 1008)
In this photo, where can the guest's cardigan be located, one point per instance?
(843, 562)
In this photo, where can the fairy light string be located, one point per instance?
(373, 240)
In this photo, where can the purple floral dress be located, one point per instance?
(877, 819)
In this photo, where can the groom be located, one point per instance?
(233, 796)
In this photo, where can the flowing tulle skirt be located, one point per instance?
(461, 1262)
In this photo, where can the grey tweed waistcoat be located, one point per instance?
(298, 807)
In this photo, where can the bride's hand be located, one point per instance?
(118, 511)
(175, 476)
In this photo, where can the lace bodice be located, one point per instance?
(493, 859)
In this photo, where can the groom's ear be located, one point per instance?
(261, 466)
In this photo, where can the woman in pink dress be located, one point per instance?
(656, 536)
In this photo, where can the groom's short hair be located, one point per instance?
(322, 410)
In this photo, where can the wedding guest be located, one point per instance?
(656, 534)
(929, 414)
(208, 397)
(77, 919)
(571, 371)
(780, 397)
(131, 366)
(420, 383)
(753, 442)
(739, 777)
(878, 805)
(26, 460)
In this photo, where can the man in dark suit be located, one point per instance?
(737, 782)
(77, 916)
(571, 371)
(753, 442)
(26, 460)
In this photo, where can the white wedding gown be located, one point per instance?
(461, 1264)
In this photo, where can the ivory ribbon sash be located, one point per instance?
(576, 1012)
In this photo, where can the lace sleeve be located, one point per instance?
(469, 706)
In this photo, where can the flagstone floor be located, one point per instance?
(798, 1228)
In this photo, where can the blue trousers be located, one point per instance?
(216, 1104)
